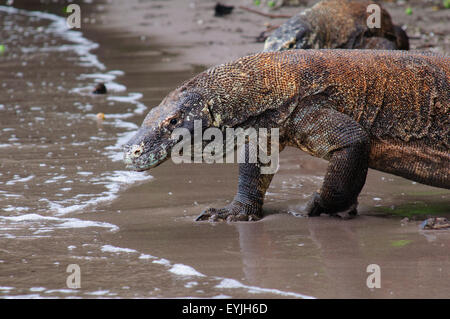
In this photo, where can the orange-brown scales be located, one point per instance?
(387, 110)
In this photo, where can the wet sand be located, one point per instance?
(138, 238)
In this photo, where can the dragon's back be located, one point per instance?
(401, 99)
(394, 95)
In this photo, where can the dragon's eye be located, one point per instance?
(173, 121)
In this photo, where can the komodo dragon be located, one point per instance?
(387, 110)
(334, 24)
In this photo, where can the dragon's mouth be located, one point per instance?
(141, 168)
(139, 161)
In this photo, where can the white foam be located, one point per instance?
(113, 249)
(113, 182)
(221, 296)
(27, 217)
(233, 284)
(17, 179)
(132, 98)
(78, 223)
(62, 291)
(190, 284)
(58, 222)
(55, 179)
(98, 293)
(184, 270)
(85, 173)
(145, 256)
(81, 46)
(117, 72)
(126, 125)
(30, 296)
(162, 261)
(106, 78)
(40, 231)
(115, 87)
(11, 208)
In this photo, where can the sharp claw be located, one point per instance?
(229, 214)
(314, 211)
(203, 216)
(313, 208)
(253, 218)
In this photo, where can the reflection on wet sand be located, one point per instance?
(336, 253)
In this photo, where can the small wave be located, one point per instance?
(81, 45)
(227, 283)
(186, 272)
(114, 249)
(52, 222)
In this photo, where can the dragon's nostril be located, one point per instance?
(136, 150)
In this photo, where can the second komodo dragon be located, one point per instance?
(335, 24)
(387, 110)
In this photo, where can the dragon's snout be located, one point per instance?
(132, 155)
(140, 157)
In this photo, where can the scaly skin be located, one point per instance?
(435, 223)
(387, 110)
(334, 24)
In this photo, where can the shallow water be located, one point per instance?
(65, 197)
(52, 143)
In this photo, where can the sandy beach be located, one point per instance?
(66, 197)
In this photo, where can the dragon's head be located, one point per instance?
(153, 142)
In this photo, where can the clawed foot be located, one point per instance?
(236, 211)
(313, 208)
